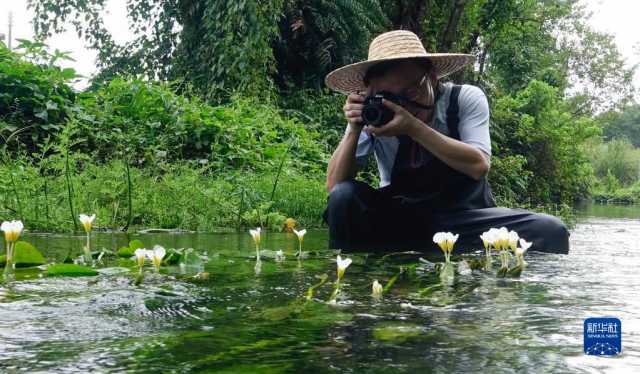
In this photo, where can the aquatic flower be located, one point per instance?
(342, 266)
(156, 255)
(87, 221)
(255, 234)
(300, 235)
(12, 231)
(489, 239)
(279, 255)
(513, 240)
(140, 254)
(445, 241)
(520, 251)
(376, 289)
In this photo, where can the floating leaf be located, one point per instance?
(25, 255)
(70, 270)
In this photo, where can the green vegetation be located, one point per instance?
(207, 128)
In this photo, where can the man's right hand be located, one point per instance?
(353, 111)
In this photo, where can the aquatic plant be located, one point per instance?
(12, 231)
(445, 241)
(300, 235)
(156, 255)
(520, 251)
(87, 223)
(488, 241)
(141, 255)
(255, 234)
(342, 266)
(279, 255)
(376, 289)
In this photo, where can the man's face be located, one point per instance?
(404, 80)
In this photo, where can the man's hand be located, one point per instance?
(353, 111)
(402, 123)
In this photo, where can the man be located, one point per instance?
(433, 157)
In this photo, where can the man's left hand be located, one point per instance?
(402, 123)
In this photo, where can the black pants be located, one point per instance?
(363, 218)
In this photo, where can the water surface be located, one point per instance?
(237, 321)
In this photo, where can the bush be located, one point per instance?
(35, 99)
(618, 158)
(148, 121)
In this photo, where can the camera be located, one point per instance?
(374, 113)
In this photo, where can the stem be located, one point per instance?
(70, 190)
(129, 188)
(299, 248)
(335, 292)
(9, 273)
(257, 253)
(87, 250)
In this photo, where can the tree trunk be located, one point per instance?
(449, 35)
(410, 15)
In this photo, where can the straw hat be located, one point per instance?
(393, 45)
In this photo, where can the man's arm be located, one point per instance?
(342, 165)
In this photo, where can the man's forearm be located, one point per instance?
(460, 156)
(342, 165)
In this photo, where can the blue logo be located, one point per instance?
(602, 336)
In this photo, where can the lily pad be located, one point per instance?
(393, 332)
(131, 249)
(25, 255)
(70, 270)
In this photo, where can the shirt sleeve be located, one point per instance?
(474, 118)
(364, 148)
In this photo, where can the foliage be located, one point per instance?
(151, 124)
(183, 195)
(537, 124)
(35, 100)
(617, 159)
(622, 124)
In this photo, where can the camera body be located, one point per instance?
(375, 113)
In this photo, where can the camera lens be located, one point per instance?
(371, 115)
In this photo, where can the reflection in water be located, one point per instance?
(240, 319)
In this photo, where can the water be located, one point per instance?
(237, 321)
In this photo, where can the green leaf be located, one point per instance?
(70, 270)
(125, 252)
(26, 255)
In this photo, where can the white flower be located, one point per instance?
(255, 234)
(445, 241)
(140, 255)
(376, 289)
(87, 221)
(513, 240)
(520, 251)
(300, 234)
(279, 255)
(156, 255)
(12, 230)
(502, 238)
(488, 238)
(342, 265)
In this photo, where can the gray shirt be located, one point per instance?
(473, 128)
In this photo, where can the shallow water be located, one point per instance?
(237, 321)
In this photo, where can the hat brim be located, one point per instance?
(349, 78)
